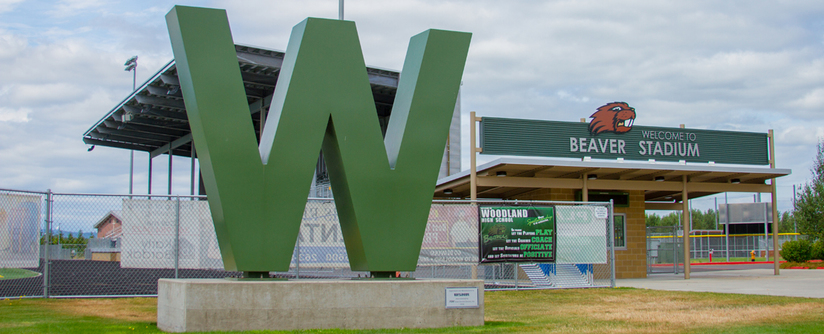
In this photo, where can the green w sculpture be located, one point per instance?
(383, 187)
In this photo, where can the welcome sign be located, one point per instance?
(611, 134)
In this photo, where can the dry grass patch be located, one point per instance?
(690, 311)
(644, 311)
(126, 309)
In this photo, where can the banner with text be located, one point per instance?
(517, 234)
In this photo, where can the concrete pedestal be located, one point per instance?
(188, 305)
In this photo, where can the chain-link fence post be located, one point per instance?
(612, 244)
(297, 257)
(675, 244)
(47, 242)
(177, 237)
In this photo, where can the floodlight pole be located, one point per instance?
(340, 10)
(131, 66)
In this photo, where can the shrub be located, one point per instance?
(796, 251)
(818, 250)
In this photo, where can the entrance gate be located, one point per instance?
(665, 250)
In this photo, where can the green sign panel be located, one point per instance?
(517, 234)
(323, 101)
(611, 134)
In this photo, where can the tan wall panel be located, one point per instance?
(632, 262)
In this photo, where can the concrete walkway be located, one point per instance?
(791, 282)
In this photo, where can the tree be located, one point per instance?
(809, 208)
(703, 220)
(786, 222)
(700, 220)
(653, 220)
(671, 219)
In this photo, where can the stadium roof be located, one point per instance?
(153, 118)
(662, 183)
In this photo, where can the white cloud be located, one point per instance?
(42, 94)
(801, 135)
(10, 45)
(813, 99)
(569, 96)
(65, 8)
(7, 5)
(14, 115)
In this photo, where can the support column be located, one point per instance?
(201, 187)
(585, 188)
(192, 172)
(150, 173)
(473, 174)
(727, 226)
(774, 204)
(131, 172)
(170, 169)
(685, 217)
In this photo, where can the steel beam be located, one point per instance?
(173, 145)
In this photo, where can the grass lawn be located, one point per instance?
(622, 310)
(14, 273)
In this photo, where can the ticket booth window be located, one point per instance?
(620, 228)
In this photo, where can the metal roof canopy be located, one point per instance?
(661, 182)
(153, 118)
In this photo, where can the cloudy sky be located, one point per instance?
(725, 65)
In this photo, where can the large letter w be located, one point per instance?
(383, 188)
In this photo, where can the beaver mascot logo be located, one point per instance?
(616, 117)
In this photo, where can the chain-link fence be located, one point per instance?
(702, 243)
(665, 251)
(665, 247)
(46, 249)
